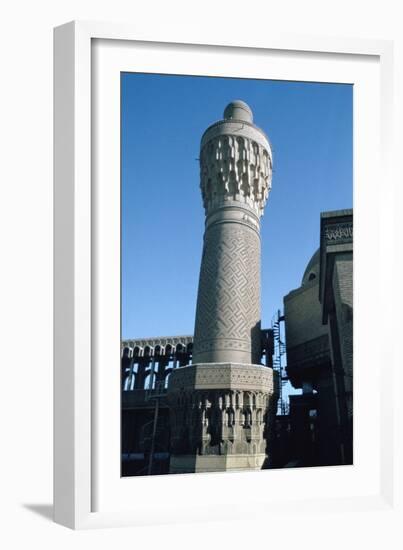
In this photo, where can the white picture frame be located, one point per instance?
(85, 492)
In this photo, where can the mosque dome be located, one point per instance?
(312, 269)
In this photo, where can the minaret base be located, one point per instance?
(187, 464)
(221, 417)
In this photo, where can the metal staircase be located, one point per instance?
(278, 361)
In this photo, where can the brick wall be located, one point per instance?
(343, 300)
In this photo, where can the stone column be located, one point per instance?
(221, 404)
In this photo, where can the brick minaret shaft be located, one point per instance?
(235, 173)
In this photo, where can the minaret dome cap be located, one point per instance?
(238, 110)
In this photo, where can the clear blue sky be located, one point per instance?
(163, 118)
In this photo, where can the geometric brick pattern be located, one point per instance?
(228, 305)
(229, 376)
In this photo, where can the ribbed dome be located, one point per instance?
(312, 269)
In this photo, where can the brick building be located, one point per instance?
(319, 341)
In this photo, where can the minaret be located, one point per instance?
(221, 405)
